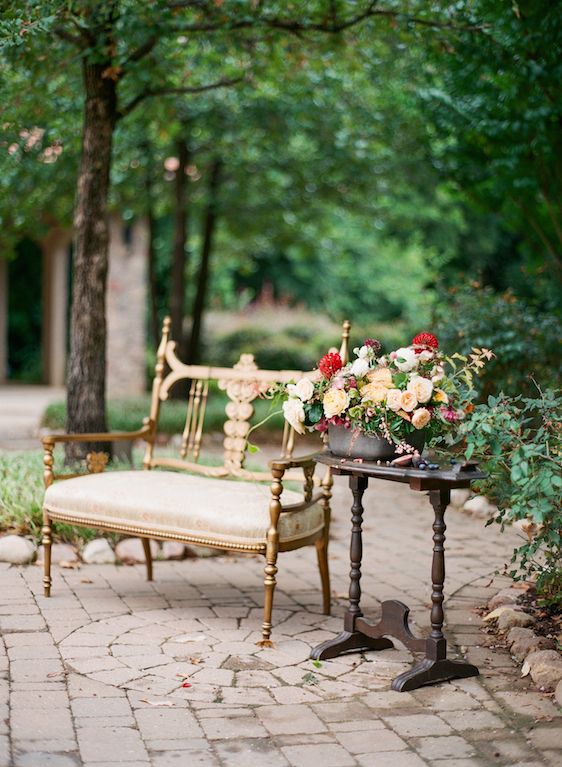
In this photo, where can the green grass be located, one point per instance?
(22, 491)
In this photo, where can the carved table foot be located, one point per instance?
(394, 623)
(348, 641)
(430, 671)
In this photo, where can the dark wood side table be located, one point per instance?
(359, 634)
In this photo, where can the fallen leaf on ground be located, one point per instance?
(186, 684)
(69, 565)
(86, 580)
(496, 613)
(158, 703)
(196, 661)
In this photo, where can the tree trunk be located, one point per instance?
(180, 251)
(86, 366)
(209, 228)
(154, 325)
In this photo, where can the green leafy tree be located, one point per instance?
(126, 52)
(495, 103)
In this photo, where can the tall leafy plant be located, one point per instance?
(518, 441)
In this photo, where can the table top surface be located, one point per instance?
(459, 475)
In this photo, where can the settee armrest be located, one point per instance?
(299, 462)
(110, 436)
(95, 462)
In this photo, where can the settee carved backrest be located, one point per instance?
(243, 384)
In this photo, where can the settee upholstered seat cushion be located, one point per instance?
(168, 502)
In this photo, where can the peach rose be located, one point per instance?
(381, 377)
(335, 402)
(408, 401)
(421, 387)
(373, 392)
(394, 399)
(421, 418)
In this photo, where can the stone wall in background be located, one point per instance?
(126, 308)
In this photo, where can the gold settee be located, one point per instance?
(201, 505)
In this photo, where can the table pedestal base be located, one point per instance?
(360, 635)
(348, 641)
(431, 671)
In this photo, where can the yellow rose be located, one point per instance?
(408, 401)
(440, 396)
(421, 418)
(394, 399)
(380, 377)
(335, 402)
(373, 392)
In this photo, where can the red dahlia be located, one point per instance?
(330, 364)
(425, 339)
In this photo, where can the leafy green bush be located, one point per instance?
(526, 342)
(518, 443)
(293, 348)
(296, 347)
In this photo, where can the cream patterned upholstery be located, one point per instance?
(168, 502)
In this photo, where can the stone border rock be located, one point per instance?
(475, 505)
(20, 550)
(538, 655)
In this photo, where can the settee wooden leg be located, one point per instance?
(147, 557)
(271, 551)
(269, 588)
(47, 543)
(322, 553)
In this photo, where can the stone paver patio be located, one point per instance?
(114, 670)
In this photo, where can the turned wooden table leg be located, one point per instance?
(436, 644)
(350, 639)
(358, 486)
(436, 667)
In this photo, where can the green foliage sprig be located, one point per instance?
(518, 442)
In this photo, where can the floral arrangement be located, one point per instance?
(391, 396)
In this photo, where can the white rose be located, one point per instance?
(406, 359)
(394, 399)
(359, 367)
(303, 389)
(293, 411)
(421, 387)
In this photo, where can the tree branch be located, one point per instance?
(64, 34)
(149, 93)
(142, 51)
(329, 25)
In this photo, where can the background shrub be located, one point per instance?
(518, 443)
(526, 341)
